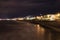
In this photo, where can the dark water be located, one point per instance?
(25, 31)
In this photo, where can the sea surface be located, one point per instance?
(21, 30)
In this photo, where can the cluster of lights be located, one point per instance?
(45, 17)
(7, 19)
(14, 19)
(50, 17)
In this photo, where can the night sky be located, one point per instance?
(19, 8)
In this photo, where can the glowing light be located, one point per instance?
(20, 19)
(38, 26)
(7, 19)
(52, 17)
(38, 17)
(58, 14)
(32, 18)
(40, 31)
(48, 16)
(27, 18)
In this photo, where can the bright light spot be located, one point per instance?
(48, 16)
(58, 14)
(32, 18)
(7, 19)
(52, 17)
(20, 18)
(38, 17)
(27, 18)
(38, 28)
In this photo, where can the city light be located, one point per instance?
(48, 17)
(58, 14)
(38, 17)
(52, 17)
(20, 18)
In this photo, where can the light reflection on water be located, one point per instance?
(40, 32)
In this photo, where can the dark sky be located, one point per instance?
(17, 8)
